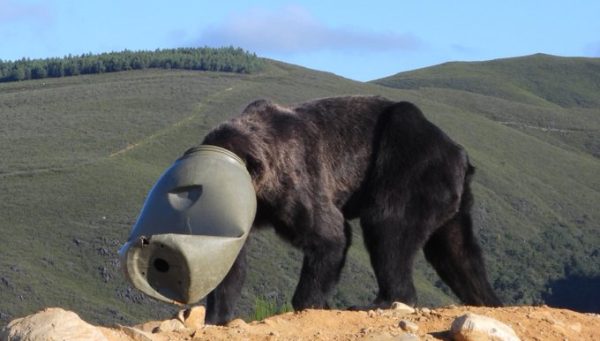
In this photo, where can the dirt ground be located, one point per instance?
(529, 323)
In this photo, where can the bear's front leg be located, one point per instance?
(220, 303)
(324, 258)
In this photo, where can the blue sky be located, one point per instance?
(361, 40)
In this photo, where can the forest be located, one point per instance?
(225, 59)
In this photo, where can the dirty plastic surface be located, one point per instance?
(192, 226)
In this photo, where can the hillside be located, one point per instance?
(553, 98)
(80, 153)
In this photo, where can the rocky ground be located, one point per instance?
(528, 323)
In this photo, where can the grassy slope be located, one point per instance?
(79, 155)
(556, 99)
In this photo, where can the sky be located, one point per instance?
(360, 40)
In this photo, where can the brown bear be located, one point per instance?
(317, 165)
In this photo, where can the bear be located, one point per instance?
(319, 164)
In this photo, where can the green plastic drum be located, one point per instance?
(192, 226)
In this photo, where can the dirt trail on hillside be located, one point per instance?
(529, 323)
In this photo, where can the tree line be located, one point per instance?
(225, 59)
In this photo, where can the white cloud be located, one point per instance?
(11, 11)
(293, 29)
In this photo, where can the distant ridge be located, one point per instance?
(565, 81)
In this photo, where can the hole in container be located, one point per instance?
(161, 265)
(182, 198)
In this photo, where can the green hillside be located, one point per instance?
(568, 82)
(553, 98)
(80, 153)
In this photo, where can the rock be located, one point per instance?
(366, 330)
(51, 324)
(172, 325)
(576, 327)
(237, 323)
(269, 322)
(192, 318)
(378, 337)
(408, 326)
(473, 327)
(136, 334)
(402, 308)
(408, 337)
(148, 327)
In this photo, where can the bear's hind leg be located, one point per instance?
(392, 246)
(454, 253)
